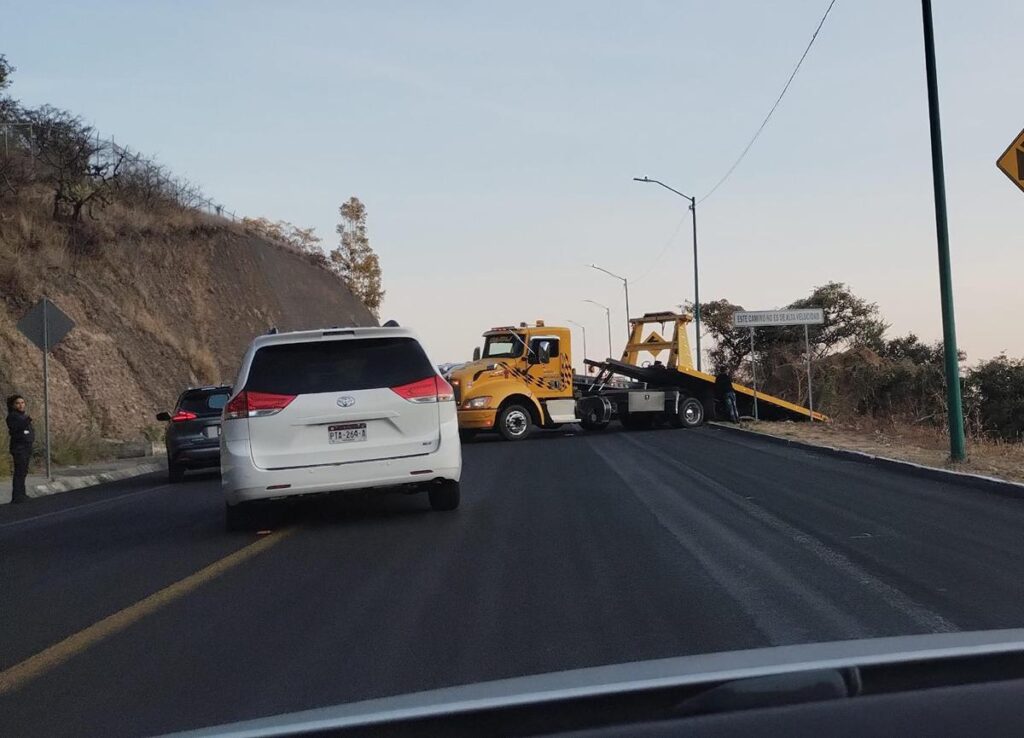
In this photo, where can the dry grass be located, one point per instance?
(200, 358)
(68, 449)
(157, 219)
(922, 445)
(202, 362)
(78, 447)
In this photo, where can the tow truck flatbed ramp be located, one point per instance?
(702, 386)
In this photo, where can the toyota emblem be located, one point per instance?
(346, 401)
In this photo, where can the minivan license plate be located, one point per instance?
(346, 433)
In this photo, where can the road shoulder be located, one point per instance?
(67, 479)
(978, 481)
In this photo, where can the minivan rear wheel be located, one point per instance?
(445, 496)
(238, 517)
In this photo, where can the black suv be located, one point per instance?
(193, 431)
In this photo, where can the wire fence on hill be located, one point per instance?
(27, 144)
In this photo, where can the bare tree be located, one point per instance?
(81, 170)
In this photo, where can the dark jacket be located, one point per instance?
(723, 384)
(23, 435)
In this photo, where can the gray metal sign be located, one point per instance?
(45, 324)
(753, 319)
(760, 318)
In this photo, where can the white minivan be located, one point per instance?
(338, 409)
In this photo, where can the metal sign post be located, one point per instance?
(802, 316)
(45, 325)
(753, 370)
(810, 394)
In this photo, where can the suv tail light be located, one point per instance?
(431, 389)
(247, 404)
(183, 415)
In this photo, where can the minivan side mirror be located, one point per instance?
(544, 352)
(476, 354)
(163, 417)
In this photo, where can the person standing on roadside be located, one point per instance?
(23, 436)
(727, 395)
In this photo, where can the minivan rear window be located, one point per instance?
(333, 366)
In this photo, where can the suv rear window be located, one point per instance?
(204, 402)
(333, 366)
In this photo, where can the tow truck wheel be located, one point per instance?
(690, 415)
(595, 413)
(591, 421)
(514, 422)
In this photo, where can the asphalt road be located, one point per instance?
(568, 551)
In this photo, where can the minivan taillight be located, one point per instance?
(431, 389)
(183, 415)
(248, 404)
(445, 393)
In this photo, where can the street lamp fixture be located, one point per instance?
(608, 317)
(696, 271)
(625, 286)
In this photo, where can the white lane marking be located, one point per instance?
(894, 597)
(85, 506)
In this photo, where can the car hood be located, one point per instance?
(618, 678)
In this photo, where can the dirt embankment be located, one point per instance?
(160, 303)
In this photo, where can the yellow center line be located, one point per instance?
(49, 658)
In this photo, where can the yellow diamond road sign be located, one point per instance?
(1012, 161)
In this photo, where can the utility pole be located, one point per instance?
(696, 268)
(696, 281)
(957, 443)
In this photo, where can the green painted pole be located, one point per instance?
(957, 445)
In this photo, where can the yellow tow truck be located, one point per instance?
(523, 377)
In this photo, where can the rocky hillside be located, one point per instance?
(162, 299)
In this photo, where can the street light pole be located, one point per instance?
(957, 444)
(625, 286)
(696, 281)
(583, 328)
(608, 317)
(696, 270)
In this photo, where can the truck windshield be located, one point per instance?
(505, 346)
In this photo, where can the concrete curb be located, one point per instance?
(978, 481)
(66, 484)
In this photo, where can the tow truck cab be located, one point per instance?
(521, 376)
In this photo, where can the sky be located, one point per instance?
(494, 145)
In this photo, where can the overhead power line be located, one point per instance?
(664, 249)
(770, 112)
